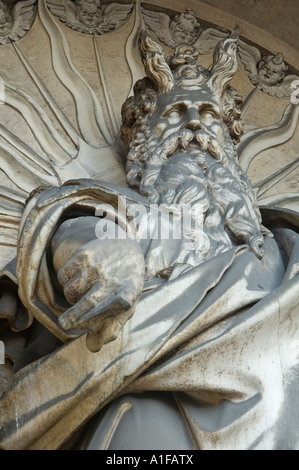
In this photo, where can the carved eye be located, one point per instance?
(174, 117)
(209, 114)
(174, 114)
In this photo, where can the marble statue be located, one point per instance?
(182, 342)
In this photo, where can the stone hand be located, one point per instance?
(102, 280)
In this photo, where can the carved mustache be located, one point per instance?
(186, 138)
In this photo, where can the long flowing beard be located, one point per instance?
(190, 167)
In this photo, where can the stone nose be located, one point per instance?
(192, 119)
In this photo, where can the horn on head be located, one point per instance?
(155, 65)
(224, 64)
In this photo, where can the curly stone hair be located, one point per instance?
(137, 109)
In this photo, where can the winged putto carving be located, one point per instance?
(90, 16)
(268, 73)
(183, 28)
(15, 21)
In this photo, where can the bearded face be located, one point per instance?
(186, 129)
(188, 157)
(179, 128)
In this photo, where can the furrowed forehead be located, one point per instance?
(203, 93)
(187, 97)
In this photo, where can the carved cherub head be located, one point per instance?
(272, 69)
(89, 12)
(90, 16)
(5, 19)
(185, 28)
(268, 73)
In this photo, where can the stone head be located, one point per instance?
(180, 108)
(185, 28)
(89, 12)
(177, 93)
(272, 69)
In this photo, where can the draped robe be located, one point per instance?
(219, 343)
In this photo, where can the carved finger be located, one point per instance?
(86, 315)
(70, 318)
(118, 302)
(79, 285)
(70, 269)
